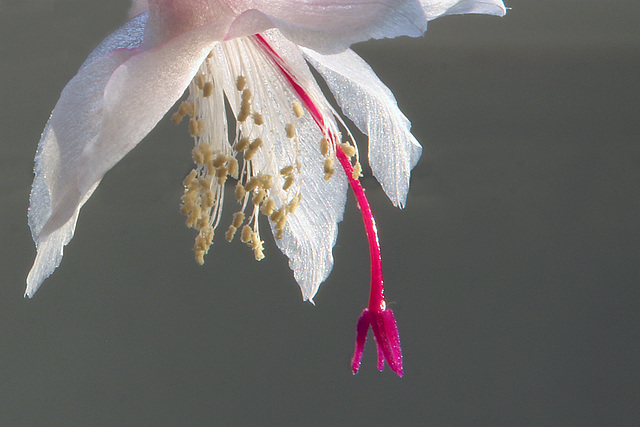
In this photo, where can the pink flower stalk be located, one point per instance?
(288, 151)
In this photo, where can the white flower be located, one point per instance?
(282, 146)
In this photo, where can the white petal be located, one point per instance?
(104, 111)
(436, 8)
(311, 231)
(330, 27)
(72, 123)
(393, 150)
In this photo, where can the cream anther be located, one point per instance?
(242, 144)
(348, 149)
(297, 109)
(238, 219)
(290, 130)
(324, 146)
(241, 83)
(328, 168)
(207, 89)
(247, 232)
(240, 191)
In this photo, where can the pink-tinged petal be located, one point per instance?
(171, 18)
(393, 150)
(362, 328)
(105, 110)
(330, 27)
(436, 8)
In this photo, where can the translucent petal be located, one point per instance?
(71, 125)
(436, 8)
(311, 231)
(105, 110)
(393, 150)
(330, 27)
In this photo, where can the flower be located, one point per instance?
(284, 149)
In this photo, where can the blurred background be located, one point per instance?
(513, 271)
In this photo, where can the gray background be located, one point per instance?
(513, 271)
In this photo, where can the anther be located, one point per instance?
(266, 181)
(176, 118)
(231, 231)
(257, 143)
(232, 164)
(288, 182)
(286, 170)
(241, 83)
(208, 199)
(200, 81)
(291, 130)
(185, 108)
(253, 147)
(281, 222)
(221, 174)
(242, 144)
(199, 257)
(277, 214)
(245, 110)
(258, 196)
(357, 170)
(328, 168)
(268, 206)
(207, 90)
(189, 178)
(193, 127)
(258, 119)
(205, 181)
(254, 182)
(297, 109)
(293, 204)
(197, 154)
(348, 149)
(324, 146)
(238, 218)
(240, 191)
(219, 160)
(247, 232)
